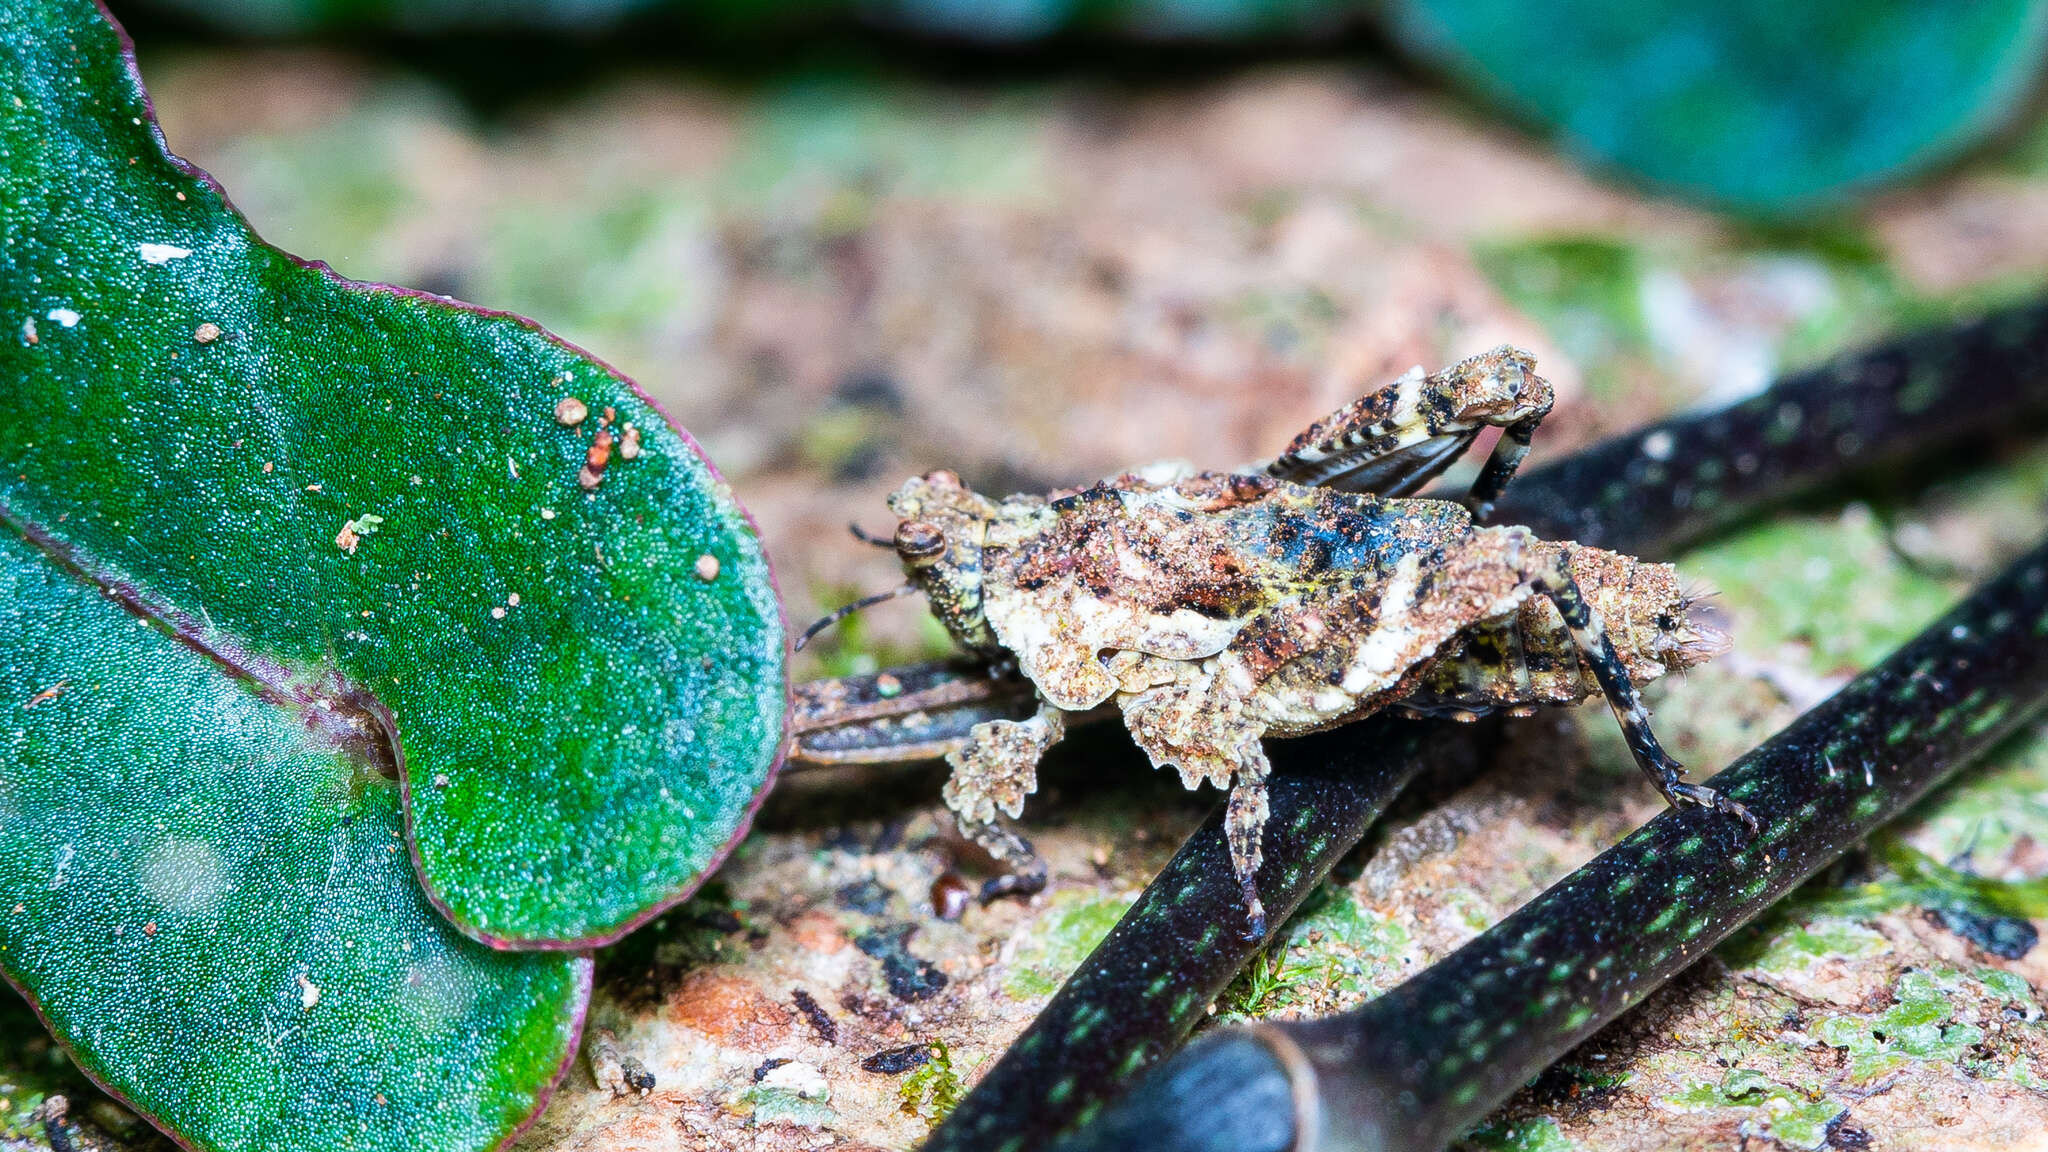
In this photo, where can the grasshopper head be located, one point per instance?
(1497, 387)
(939, 537)
(1656, 623)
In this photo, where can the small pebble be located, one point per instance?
(799, 1078)
(629, 443)
(513, 600)
(950, 896)
(569, 411)
(206, 333)
(498, 613)
(888, 686)
(440, 779)
(707, 567)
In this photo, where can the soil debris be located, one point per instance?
(897, 1061)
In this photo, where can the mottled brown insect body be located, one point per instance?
(1217, 609)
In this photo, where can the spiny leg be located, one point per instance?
(1244, 823)
(1549, 577)
(1023, 869)
(1501, 463)
(993, 774)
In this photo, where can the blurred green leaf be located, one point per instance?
(1763, 107)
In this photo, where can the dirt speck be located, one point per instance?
(726, 1007)
(909, 977)
(206, 333)
(820, 1020)
(950, 896)
(897, 1061)
(569, 411)
(47, 694)
(707, 567)
(594, 461)
(818, 931)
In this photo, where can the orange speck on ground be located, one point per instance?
(818, 931)
(726, 1007)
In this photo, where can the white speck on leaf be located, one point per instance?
(352, 533)
(65, 316)
(185, 877)
(309, 993)
(161, 253)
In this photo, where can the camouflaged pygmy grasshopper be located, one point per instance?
(1215, 609)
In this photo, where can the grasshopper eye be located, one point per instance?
(919, 542)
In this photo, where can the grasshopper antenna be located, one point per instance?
(850, 609)
(861, 534)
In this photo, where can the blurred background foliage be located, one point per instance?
(1758, 106)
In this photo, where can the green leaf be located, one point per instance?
(361, 505)
(210, 903)
(1765, 107)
